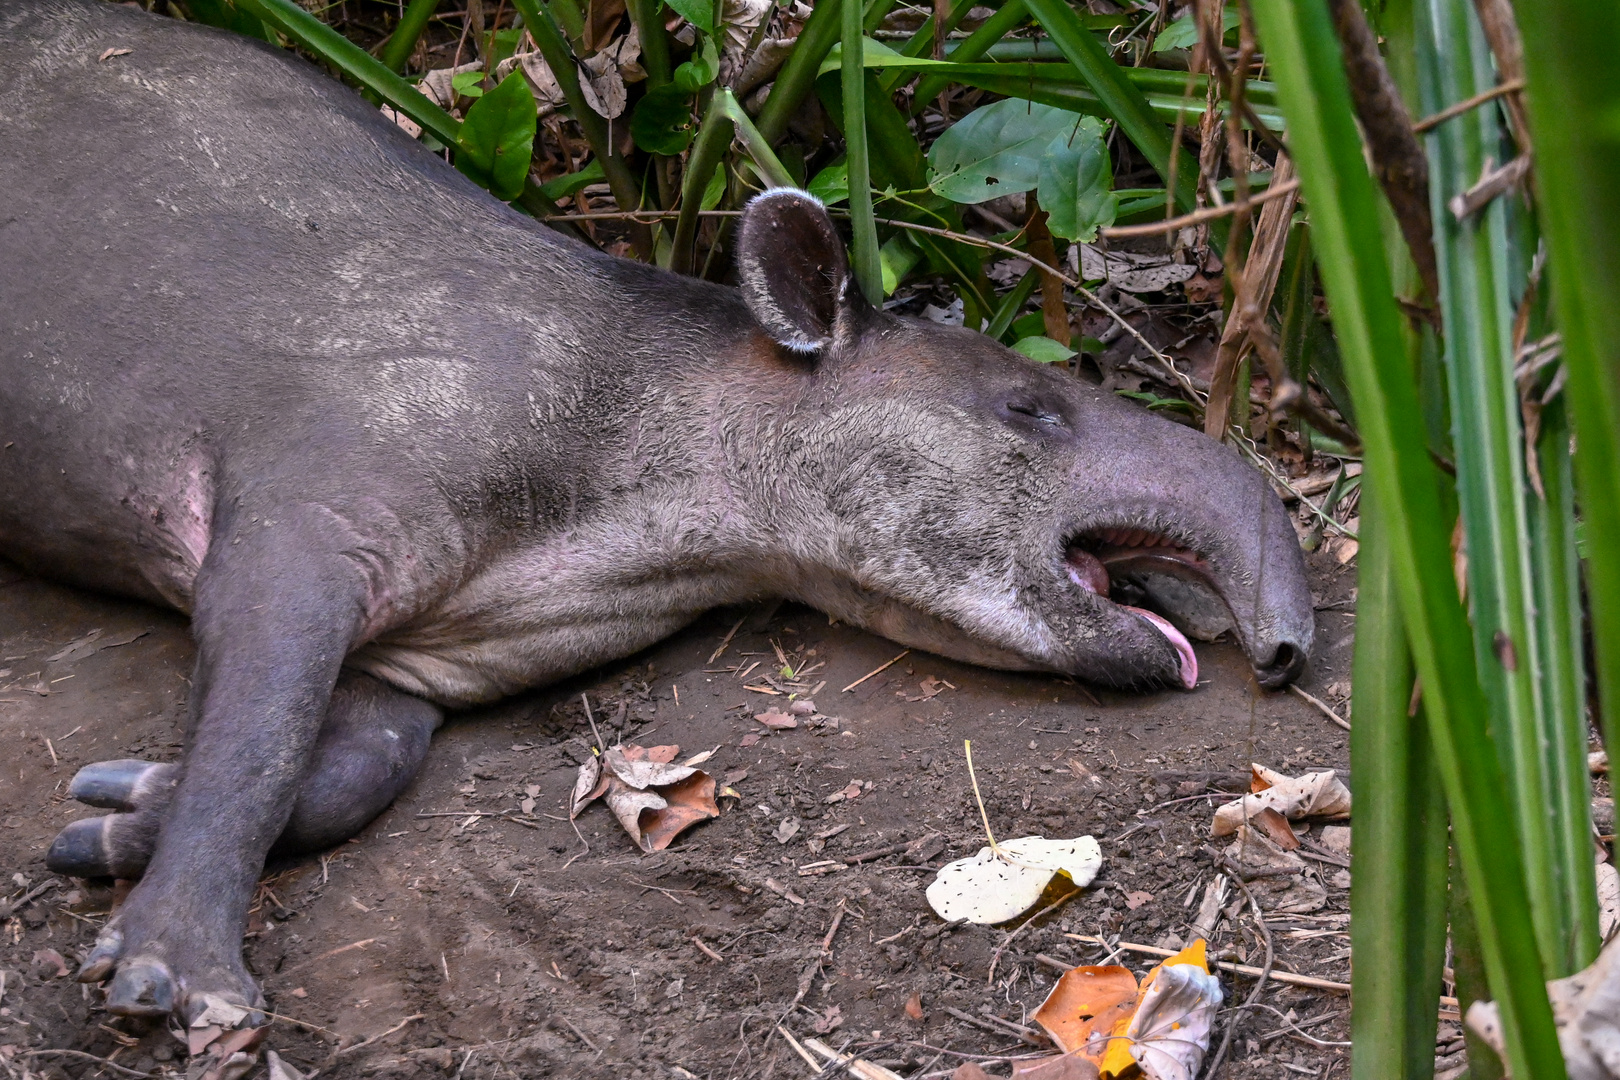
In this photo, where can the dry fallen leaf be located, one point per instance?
(108, 54)
(777, 720)
(914, 1007)
(1085, 1008)
(1586, 1010)
(1276, 828)
(1134, 900)
(1608, 894)
(654, 799)
(1316, 794)
(1100, 1016)
(1066, 1067)
(749, 739)
(997, 884)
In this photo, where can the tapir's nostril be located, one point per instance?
(1283, 668)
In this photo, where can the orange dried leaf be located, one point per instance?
(1085, 1006)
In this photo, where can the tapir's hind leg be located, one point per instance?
(371, 744)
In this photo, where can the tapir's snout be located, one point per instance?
(1174, 525)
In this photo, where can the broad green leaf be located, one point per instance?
(700, 13)
(1075, 185)
(698, 72)
(1042, 350)
(1183, 33)
(564, 186)
(996, 150)
(716, 189)
(898, 257)
(831, 185)
(468, 84)
(662, 123)
(497, 138)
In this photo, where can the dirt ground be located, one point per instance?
(440, 942)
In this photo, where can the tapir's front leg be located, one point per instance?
(277, 608)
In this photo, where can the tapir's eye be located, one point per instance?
(1034, 410)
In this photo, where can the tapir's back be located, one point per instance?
(218, 266)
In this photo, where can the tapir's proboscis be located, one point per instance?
(397, 448)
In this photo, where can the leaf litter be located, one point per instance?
(654, 799)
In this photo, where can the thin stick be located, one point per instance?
(597, 735)
(1260, 982)
(875, 671)
(967, 750)
(1198, 217)
(724, 644)
(1451, 112)
(706, 951)
(87, 1057)
(383, 1034)
(1327, 710)
(1237, 969)
(995, 958)
(800, 1050)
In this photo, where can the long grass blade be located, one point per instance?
(1398, 899)
(1574, 99)
(402, 42)
(1477, 313)
(1008, 18)
(867, 261)
(356, 63)
(1311, 85)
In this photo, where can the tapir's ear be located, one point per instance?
(791, 262)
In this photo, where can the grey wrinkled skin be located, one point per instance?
(396, 448)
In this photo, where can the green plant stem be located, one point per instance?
(754, 141)
(921, 43)
(708, 149)
(1574, 100)
(406, 33)
(1304, 56)
(654, 41)
(1119, 96)
(798, 75)
(1010, 17)
(356, 63)
(622, 182)
(1398, 899)
(572, 20)
(867, 261)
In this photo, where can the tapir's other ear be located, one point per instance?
(791, 262)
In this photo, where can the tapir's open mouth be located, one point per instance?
(1094, 559)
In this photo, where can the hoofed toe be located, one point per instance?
(143, 987)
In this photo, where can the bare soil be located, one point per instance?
(514, 947)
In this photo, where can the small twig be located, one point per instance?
(997, 1026)
(383, 1034)
(1198, 217)
(1493, 183)
(86, 1057)
(800, 1050)
(995, 957)
(1288, 977)
(584, 1038)
(727, 641)
(597, 735)
(1451, 112)
(706, 951)
(1327, 710)
(9, 907)
(880, 669)
(1259, 983)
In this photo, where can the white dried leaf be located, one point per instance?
(1586, 1011)
(988, 888)
(1169, 1035)
(1608, 895)
(590, 774)
(1131, 272)
(1316, 794)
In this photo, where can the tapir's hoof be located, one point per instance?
(117, 845)
(129, 784)
(143, 987)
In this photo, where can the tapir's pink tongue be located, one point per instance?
(1184, 649)
(1088, 572)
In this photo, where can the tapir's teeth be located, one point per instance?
(1183, 647)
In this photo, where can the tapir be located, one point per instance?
(397, 448)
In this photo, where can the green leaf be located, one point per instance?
(1183, 33)
(1076, 182)
(700, 70)
(996, 150)
(468, 84)
(899, 256)
(716, 189)
(497, 138)
(831, 185)
(662, 122)
(1042, 350)
(566, 185)
(700, 13)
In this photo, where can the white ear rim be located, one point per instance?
(752, 275)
